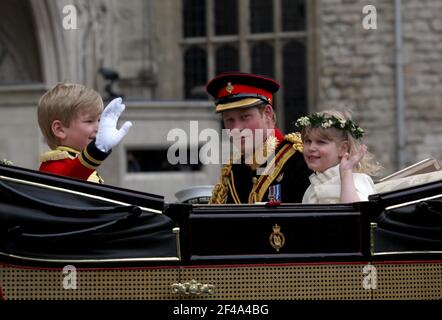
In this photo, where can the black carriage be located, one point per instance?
(58, 233)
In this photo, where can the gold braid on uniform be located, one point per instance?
(275, 166)
(221, 189)
(55, 155)
(219, 193)
(268, 150)
(296, 141)
(61, 153)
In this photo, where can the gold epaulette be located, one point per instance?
(295, 139)
(54, 155)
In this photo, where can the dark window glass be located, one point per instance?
(227, 59)
(226, 17)
(294, 83)
(152, 160)
(261, 16)
(195, 73)
(194, 18)
(262, 59)
(19, 49)
(293, 15)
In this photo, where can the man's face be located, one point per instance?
(249, 125)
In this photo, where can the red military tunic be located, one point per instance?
(72, 163)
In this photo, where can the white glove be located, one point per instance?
(108, 136)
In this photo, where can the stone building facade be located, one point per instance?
(358, 68)
(341, 63)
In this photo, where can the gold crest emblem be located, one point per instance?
(229, 87)
(277, 239)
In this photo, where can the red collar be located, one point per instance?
(279, 135)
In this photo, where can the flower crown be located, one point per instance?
(316, 120)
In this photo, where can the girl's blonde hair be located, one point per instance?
(368, 164)
(63, 102)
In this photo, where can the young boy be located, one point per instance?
(69, 119)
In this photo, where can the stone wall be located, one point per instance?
(20, 138)
(357, 70)
(423, 77)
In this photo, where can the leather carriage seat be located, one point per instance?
(425, 171)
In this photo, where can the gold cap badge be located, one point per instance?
(229, 87)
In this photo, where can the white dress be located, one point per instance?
(325, 187)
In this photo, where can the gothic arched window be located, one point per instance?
(226, 59)
(293, 15)
(195, 73)
(226, 17)
(263, 59)
(194, 18)
(294, 82)
(261, 16)
(261, 36)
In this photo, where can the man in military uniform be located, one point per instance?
(246, 104)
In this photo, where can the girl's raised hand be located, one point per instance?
(348, 163)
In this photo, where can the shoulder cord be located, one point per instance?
(219, 193)
(221, 189)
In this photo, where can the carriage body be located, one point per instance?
(115, 243)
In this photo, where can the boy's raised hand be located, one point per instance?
(108, 136)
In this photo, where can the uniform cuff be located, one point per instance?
(91, 157)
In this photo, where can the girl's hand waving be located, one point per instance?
(348, 163)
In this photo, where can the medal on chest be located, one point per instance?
(275, 192)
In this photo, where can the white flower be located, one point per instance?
(342, 123)
(303, 121)
(327, 124)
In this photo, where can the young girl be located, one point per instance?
(333, 149)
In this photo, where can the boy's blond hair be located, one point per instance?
(63, 102)
(368, 164)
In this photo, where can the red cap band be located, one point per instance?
(231, 89)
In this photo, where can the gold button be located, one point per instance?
(254, 180)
